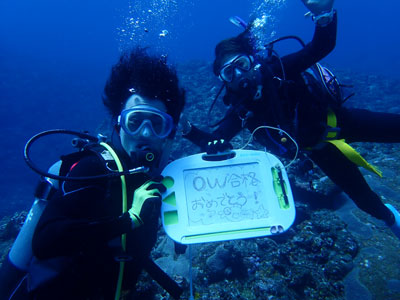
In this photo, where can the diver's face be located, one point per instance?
(241, 75)
(239, 72)
(145, 126)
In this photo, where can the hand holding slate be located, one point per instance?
(146, 201)
(218, 146)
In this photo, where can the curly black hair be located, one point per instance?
(149, 76)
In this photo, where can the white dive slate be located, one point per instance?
(241, 197)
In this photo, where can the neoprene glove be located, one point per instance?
(218, 146)
(146, 202)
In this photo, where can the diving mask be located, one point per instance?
(134, 120)
(240, 62)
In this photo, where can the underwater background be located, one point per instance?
(56, 55)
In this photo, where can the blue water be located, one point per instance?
(56, 55)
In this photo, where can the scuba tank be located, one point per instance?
(16, 264)
(20, 254)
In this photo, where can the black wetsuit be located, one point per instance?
(291, 106)
(80, 230)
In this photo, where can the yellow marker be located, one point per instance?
(280, 187)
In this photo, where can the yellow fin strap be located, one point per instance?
(331, 122)
(124, 209)
(354, 156)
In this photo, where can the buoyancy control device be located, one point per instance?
(13, 272)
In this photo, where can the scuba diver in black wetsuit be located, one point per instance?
(77, 245)
(281, 92)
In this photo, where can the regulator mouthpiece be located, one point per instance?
(145, 157)
(244, 83)
(149, 156)
(258, 93)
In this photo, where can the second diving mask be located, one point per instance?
(241, 62)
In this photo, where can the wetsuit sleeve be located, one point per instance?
(228, 128)
(323, 42)
(78, 219)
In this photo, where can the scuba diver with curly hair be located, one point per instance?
(285, 93)
(95, 236)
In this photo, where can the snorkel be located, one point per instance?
(239, 22)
